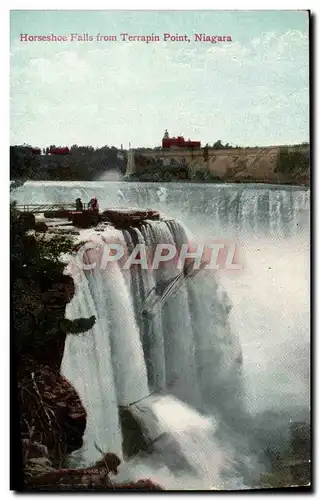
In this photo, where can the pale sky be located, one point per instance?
(251, 91)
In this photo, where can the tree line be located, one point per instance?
(82, 163)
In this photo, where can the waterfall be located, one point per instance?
(178, 335)
(186, 358)
(186, 453)
(151, 332)
(238, 209)
(113, 368)
(186, 350)
(218, 350)
(87, 362)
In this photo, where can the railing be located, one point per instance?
(37, 208)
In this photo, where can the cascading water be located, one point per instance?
(151, 332)
(186, 349)
(110, 366)
(177, 332)
(186, 453)
(88, 363)
(232, 208)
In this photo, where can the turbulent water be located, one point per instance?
(211, 415)
(229, 208)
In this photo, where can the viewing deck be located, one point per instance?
(86, 217)
(41, 208)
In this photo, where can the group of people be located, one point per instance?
(92, 205)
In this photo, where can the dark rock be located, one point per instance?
(129, 218)
(33, 449)
(57, 214)
(75, 480)
(110, 461)
(41, 315)
(133, 440)
(51, 412)
(34, 467)
(86, 219)
(80, 325)
(26, 221)
(41, 227)
(142, 484)
(40, 475)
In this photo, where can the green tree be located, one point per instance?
(39, 289)
(218, 145)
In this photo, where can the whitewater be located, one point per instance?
(223, 368)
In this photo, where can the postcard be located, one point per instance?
(160, 250)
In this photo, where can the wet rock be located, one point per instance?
(74, 481)
(79, 325)
(41, 227)
(129, 218)
(85, 219)
(51, 411)
(37, 466)
(41, 476)
(25, 222)
(57, 214)
(110, 461)
(133, 439)
(33, 449)
(39, 316)
(142, 484)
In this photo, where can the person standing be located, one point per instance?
(79, 205)
(93, 204)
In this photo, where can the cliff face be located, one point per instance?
(52, 416)
(51, 410)
(272, 165)
(262, 165)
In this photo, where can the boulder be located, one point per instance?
(57, 214)
(142, 484)
(26, 221)
(51, 411)
(129, 218)
(39, 316)
(41, 227)
(86, 219)
(40, 475)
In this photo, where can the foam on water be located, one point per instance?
(204, 433)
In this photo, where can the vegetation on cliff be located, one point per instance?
(289, 161)
(50, 410)
(151, 170)
(51, 417)
(39, 289)
(87, 163)
(278, 165)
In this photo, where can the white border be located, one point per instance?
(160, 5)
(4, 171)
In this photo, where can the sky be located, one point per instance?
(252, 91)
